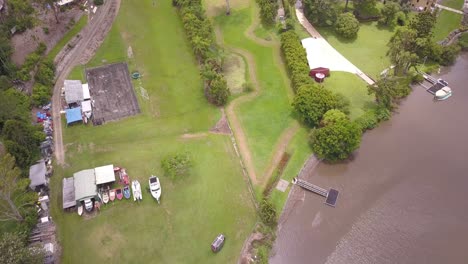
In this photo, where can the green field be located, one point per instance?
(265, 117)
(367, 51)
(214, 198)
(455, 4)
(353, 88)
(447, 21)
(77, 27)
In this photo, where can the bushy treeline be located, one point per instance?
(268, 11)
(200, 35)
(295, 57)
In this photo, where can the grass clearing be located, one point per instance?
(447, 21)
(218, 7)
(455, 4)
(269, 114)
(353, 88)
(68, 36)
(213, 199)
(367, 51)
(235, 72)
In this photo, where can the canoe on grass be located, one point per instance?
(118, 193)
(126, 192)
(112, 195)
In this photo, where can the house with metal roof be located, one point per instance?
(68, 193)
(73, 91)
(84, 183)
(37, 175)
(104, 174)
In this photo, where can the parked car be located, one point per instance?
(218, 243)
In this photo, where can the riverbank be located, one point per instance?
(399, 196)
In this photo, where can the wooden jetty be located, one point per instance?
(331, 195)
(435, 84)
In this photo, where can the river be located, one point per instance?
(403, 198)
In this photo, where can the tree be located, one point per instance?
(402, 49)
(366, 8)
(390, 14)
(388, 91)
(16, 201)
(321, 12)
(20, 12)
(332, 117)
(347, 25)
(423, 23)
(176, 165)
(268, 10)
(337, 140)
(267, 213)
(312, 102)
(218, 92)
(53, 5)
(14, 250)
(40, 95)
(13, 105)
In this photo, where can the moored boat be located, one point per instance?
(443, 93)
(112, 195)
(126, 192)
(155, 187)
(118, 193)
(136, 188)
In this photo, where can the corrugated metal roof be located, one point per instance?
(37, 174)
(73, 115)
(73, 91)
(104, 174)
(68, 192)
(85, 184)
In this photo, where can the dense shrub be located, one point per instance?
(267, 213)
(268, 11)
(296, 59)
(347, 25)
(40, 95)
(176, 165)
(463, 41)
(368, 120)
(449, 54)
(200, 36)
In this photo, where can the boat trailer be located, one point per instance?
(330, 195)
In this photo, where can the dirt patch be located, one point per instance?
(196, 135)
(246, 253)
(112, 92)
(27, 42)
(217, 7)
(234, 70)
(222, 126)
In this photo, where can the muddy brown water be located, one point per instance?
(403, 199)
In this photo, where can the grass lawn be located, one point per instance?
(265, 117)
(367, 51)
(455, 4)
(446, 22)
(353, 88)
(213, 199)
(79, 25)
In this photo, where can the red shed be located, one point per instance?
(325, 71)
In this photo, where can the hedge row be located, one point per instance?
(200, 35)
(296, 59)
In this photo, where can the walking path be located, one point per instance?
(321, 53)
(91, 38)
(449, 9)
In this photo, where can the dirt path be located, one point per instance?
(91, 38)
(234, 121)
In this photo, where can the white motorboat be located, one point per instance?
(136, 189)
(155, 187)
(443, 93)
(80, 210)
(105, 197)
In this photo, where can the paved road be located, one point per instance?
(91, 37)
(331, 57)
(449, 9)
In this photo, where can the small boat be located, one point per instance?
(126, 192)
(80, 210)
(136, 188)
(443, 93)
(112, 195)
(124, 177)
(118, 193)
(443, 82)
(105, 197)
(155, 187)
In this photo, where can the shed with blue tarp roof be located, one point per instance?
(73, 115)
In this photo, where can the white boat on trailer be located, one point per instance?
(136, 189)
(155, 187)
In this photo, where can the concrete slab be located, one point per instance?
(282, 185)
